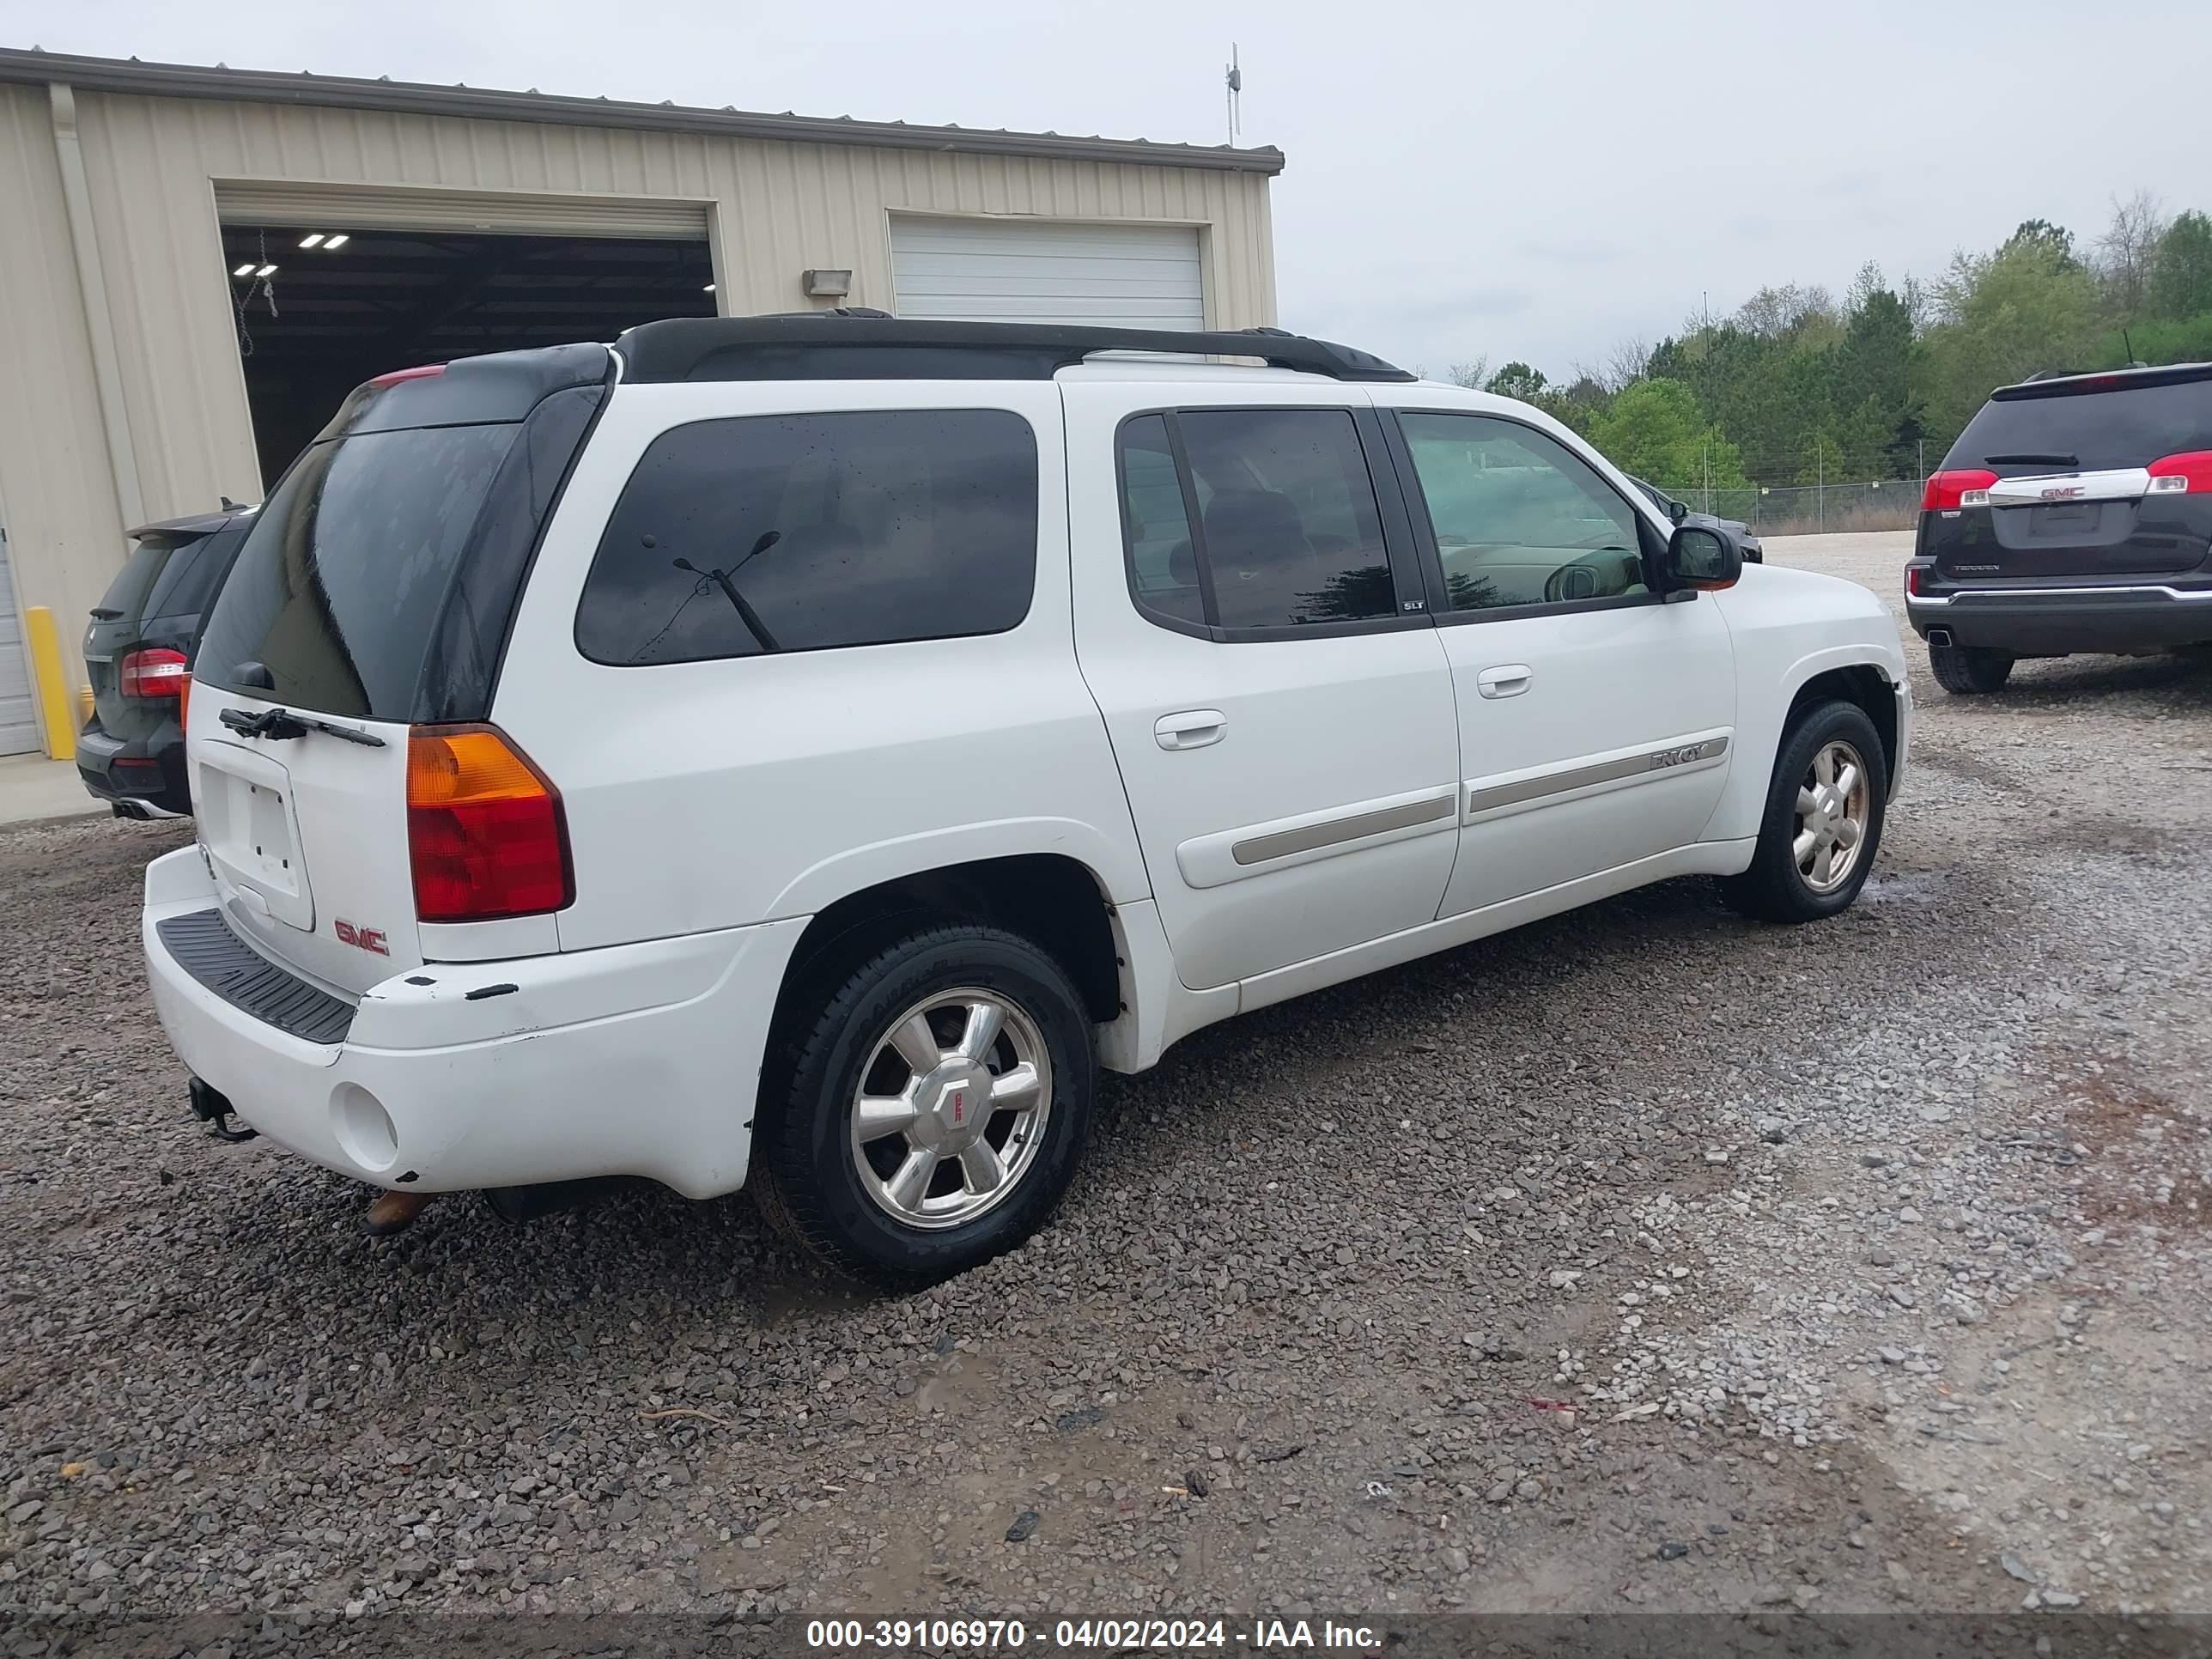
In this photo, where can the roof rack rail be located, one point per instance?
(857, 343)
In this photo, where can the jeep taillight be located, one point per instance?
(1961, 487)
(485, 833)
(155, 672)
(2186, 474)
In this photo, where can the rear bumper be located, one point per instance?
(637, 1059)
(117, 768)
(2054, 622)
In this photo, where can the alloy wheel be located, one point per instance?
(1833, 801)
(951, 1108)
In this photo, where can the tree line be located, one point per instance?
(1797, 386)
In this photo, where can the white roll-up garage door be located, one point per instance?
(19, 725)
(1014, 270)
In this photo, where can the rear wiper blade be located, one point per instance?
(101, 613)
(2033, 460)
(279, 723)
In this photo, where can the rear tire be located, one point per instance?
(904, 1204)
(1968, 671)
(1823, 822)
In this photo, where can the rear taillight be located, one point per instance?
(155, 672)
(184, 702)
(484, 828)
(1912, 579)
(1964, 487)
(2187, 474)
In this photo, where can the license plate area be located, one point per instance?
(251, 831)
(2064, 517)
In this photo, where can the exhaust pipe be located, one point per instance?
(518, 1205)
(1939, 636)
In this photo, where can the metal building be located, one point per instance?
(196, 263)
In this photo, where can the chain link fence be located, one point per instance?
(1813, 505)
(1809, 509)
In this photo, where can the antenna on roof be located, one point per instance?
(1233, 77)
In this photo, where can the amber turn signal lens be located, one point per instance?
(485, 832)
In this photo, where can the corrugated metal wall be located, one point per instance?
(65, 528)
(775, 210)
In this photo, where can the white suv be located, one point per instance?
(807, 748)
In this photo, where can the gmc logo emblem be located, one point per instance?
(2064, 492)
(959, 1107)
(365, 939)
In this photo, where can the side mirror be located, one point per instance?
(1701, 559)
(1676, 510)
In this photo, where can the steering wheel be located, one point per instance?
(1600, 574)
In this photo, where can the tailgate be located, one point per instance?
(307, 839)
(2074, 525)
(371, 597)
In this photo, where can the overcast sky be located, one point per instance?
(1531, 178)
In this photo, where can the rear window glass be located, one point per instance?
(2088, 430)
(804, 533)
(127, 594)
(339, 586)
(188, 582)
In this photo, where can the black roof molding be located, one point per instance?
(129, 74)
(868, 345)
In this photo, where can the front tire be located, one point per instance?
(936, 1103)
(1823, 820)
(1967, 671)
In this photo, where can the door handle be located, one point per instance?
(1194, 728)
(1507, 680)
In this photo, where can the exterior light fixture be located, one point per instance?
(827, 284)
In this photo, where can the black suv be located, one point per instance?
(139, 653)
(2074, 513)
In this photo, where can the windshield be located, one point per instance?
(339, 587)
(2130, 426)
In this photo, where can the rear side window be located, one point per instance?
(1156, 524)
(2087, 431)
(339, 589)
(806, 533)
(1288, 533)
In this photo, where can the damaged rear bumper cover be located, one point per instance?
(638, 1059)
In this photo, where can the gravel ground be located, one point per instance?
(1646, 1258)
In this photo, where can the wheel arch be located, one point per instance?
(1860, 673)
(1863, 682)
(1056, 901)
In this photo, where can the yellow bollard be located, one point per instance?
(46, 673)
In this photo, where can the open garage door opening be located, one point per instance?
(321, 307)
